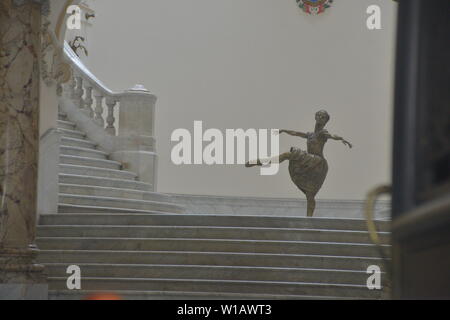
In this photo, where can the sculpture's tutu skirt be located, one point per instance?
(307, 171)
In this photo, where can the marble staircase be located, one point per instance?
(90, 182)
(168, 256)
(135, 243)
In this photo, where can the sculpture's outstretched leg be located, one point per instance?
(277, 159)
(310, 204)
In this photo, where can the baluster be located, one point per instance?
(88, 102)
(72, 85)
(110, 102)
(79, 92)
(59, 89)
(98, 117)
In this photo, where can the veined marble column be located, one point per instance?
(20, 24)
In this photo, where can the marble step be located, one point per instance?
(195, 232)
(228, 286)
(213, 272)
(90, 162)
(118, 203)
(97, 172)
(209, 245)
(215, 220)
(80, 143)
(113, 192)
(103, 182)
(72, 208)
(182, 295)
(72, 133)
(275, 260)
(83, 152)
(65, 124)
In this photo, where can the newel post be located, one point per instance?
(135, 142)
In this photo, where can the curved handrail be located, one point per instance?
(99, 111)
(79, 66)
(90, 95)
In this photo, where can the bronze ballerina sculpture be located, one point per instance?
(307, 169)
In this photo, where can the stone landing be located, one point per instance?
(282, 207)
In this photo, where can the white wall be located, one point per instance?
(256, 64)
(48, 112)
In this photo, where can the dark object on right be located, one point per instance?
(421, 164)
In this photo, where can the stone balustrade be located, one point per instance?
(122, 123)
(84, 89)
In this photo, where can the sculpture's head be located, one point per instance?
(322, 117)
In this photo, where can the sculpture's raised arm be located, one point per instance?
(294, 133)
(338, 138)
